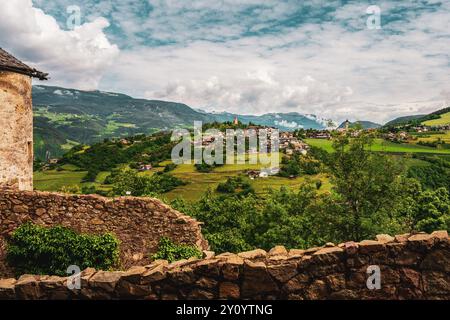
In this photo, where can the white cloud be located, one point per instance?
(216, 57)
(76, 58)
(319, 68)
(287, 124)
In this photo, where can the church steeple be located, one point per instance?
(347, 123)
(236, 121)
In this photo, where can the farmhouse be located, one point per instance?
(16, 122)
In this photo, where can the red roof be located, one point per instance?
(10, 63)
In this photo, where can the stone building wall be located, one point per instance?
(16, 131)
(138, 223)
(412, 267)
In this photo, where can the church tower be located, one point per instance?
(16, 122)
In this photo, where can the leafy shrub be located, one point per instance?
(171, 166)
(38, 250)
(170, 251)
(137, 185)
(204, 167)
(236, 185)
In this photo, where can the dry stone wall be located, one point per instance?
(138, 223)
(412, 267)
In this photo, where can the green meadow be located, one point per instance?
(381, 145)
(198, 183)
(443, 120)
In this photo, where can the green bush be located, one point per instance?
(34, 249)
(170, 251)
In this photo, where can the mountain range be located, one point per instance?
(66, 117)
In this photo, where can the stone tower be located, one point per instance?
(16, 122)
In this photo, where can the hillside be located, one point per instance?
(363, 124)
(66, 117)
(405, 119)
(439, 117)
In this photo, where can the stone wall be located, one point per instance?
(16, 131)
(138, 223)
(412, 267)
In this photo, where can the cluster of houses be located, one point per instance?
(319, 134)
(263, 173)
(423, 128)
(397, 137)
(290, 144)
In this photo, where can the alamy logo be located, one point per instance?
(74, 19)
(374, 20)
(74, 281)
(374, 279)
(235, 146)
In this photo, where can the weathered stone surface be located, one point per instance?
(369, 246)
(182, 277)
(335, 282)
(317, 290)
(232, 267)
(208, 283)
(295, 253)
(156, 273)
(105, 280)
(129, 290)
(436, 283)
(437, 260)
(201, 294)
(209, 267)
(278, 251)
(420, 237)
(351, 247)
(257, 279)
(134, 274)
(16, 142)
(229, 290)
(402, 237)
(297, 283)
(385, 238)
(7, 288)
(254, 254)
(442, 234)
(283, 272)
(208, 254)
(27, 288)
(410, 278)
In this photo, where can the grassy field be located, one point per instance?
(444, 119)
(430, 137)
(381, 145)
(53, 180)
(198, 183)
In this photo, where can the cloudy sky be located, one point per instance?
(252, 57)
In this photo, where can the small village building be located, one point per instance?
(145, 167)
(16, 122)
